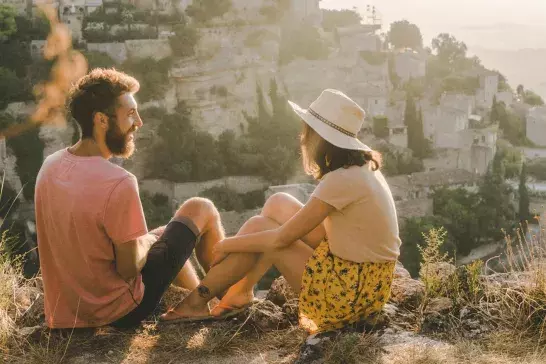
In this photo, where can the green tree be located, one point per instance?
(8, 26)
(301, 41)
(495, 211)
(29, 153)
(12, 88)
(413, 119)
(495, 112)
(192, 155)
(332, 19)
(273, 136)
(205, 10)
(403, 34)
(98, 60)
(450, 51)
(184, 41)
(15, 57)
(157, 209)
(381, 127)
(458, 209)
(411, 234)
(524, 213)
(532, 98)
(520, 90)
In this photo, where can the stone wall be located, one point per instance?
(414, 208)
(536, 125)
(446, 159)
(145, 48)
(180, 192)
(117, 51)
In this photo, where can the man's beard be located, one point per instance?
(118, 142)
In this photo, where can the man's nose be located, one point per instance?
(139, 122)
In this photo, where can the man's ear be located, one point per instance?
(100, 120)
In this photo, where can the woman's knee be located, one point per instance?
(281, 205)
(256, 224)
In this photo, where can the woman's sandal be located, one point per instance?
(231, 311)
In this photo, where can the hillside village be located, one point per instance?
(464, 154)
(242, 50)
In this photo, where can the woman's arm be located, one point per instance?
(303, 222)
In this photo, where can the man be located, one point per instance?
(100, 265)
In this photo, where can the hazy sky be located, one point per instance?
(500, 24)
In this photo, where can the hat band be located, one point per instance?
(330, 124)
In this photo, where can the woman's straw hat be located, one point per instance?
(336, 118)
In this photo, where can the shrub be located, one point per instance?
(303, 41)
(380, 127)
(184, 41)
(205, 10)
(157, 209)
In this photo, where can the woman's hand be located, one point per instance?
(218, 254)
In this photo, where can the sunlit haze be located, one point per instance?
(495, 24)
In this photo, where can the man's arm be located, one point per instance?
(131, 256)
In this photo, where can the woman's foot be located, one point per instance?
(186, 312)
(232, 302)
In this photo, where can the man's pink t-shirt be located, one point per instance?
(85, 206)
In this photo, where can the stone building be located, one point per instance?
(410, 64)
(536, 125)
(489, 87)
(442, 125)
(421, 184)
(72, 12)
(358, 38)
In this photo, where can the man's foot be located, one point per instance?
(184, 312)
(233, 304)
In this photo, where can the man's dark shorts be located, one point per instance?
(165, 260)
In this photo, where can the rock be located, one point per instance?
(440, 305)
(268, 317)
(407, 292)
(27, 331)
(280, 292)
(400, 271)
(291, 310)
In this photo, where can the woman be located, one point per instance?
(338, 251)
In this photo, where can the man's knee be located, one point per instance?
(200, 211)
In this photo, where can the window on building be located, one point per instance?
(483, 138)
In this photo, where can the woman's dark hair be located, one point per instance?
(321, 156)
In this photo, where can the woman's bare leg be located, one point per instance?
(291, 261)
(279, 208)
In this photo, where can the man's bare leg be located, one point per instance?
(279, 208)
(206, 217)
(290, 261)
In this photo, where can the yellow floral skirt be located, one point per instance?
(336, 292)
